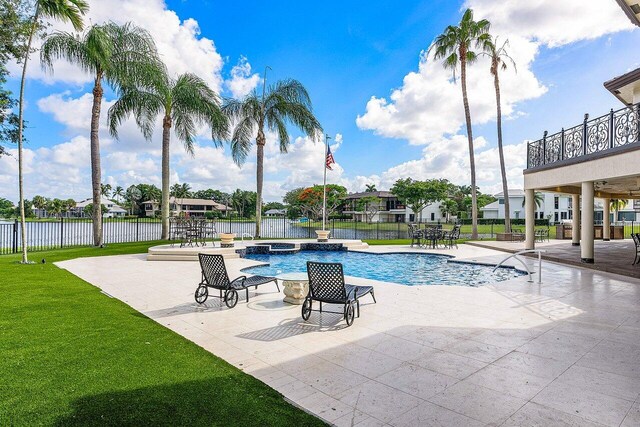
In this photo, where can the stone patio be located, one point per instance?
(566, 352)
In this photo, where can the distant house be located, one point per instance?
(556, 207)
(275, 212)
(113, 210)
(390, 209)
(186, 206)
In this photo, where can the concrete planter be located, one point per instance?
(323, 235)
(226, 240)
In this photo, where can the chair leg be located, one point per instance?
(320, 306)
(276, 282)
(247, 293)
(358, 307)
(374, 297)
(220, 293)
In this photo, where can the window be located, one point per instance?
(555, 217)
(626, 216)
(556, 202)
(433, 216)
(501, 201)
(563, 215)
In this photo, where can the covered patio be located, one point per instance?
(596, 159)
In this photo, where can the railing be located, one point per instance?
(616, 129)
(526, 267)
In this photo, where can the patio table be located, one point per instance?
(296, 287)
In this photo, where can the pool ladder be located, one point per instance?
(526, 251)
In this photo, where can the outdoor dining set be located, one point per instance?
(433, 236)
(191, 231)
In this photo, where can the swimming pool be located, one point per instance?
(403, 268)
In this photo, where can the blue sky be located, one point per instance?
(345, 53)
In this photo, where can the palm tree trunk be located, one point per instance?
(96, 172)
(472, 160)
(23, 221)
(503, 171)
(260, 141)
(166, 140)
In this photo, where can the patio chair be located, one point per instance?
(636, 241)
(415, 234)
(326, 284)
(450, 238)
(542, 234)
(214, 275)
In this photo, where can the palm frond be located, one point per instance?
(65, 11)
(144, 106)
(241, 140)
(67, 46)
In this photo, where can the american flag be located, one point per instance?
(329, 160)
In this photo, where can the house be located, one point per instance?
(113, 210)
(186, 206)
(275, 212)
(389, 209)
(595, 159)
(555, 207)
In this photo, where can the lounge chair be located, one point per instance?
(214, 275)
(326, 284)
(636, 241)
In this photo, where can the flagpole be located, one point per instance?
(324, 182)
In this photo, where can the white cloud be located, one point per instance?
(242, 82)
(179, 42)
(428, 106)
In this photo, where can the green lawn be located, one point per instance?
(73, 356)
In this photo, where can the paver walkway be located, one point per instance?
(566, 352)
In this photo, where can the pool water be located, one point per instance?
(403, 268)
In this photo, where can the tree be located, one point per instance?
(243, 202)
(55, 207)
(455, 46)
(538, 198)
(118, 193)
(370, 205)
(310, 199)
(273, 205)
(286, 102)
(6, 208)
(292, 202)
(371, 188)
(40, 203)
(88, 210)
(448, 207)
(499, 59)
(117, 54)
(132, 196)
(616, 205)
(417, 195)
(65, 11)
(180, 191)
(105, 190)
(185, 103)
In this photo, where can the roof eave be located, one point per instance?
(629, 12)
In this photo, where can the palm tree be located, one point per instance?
(40, 203)
(180, 190)
(455, 46)
(286, 102)
(371, 188)
(117, 54)
(184, 103)
(499, 59)
(538, 198)
(448, 207)
(65, 11)
(105, 190)
(118, 193)
(617, 204)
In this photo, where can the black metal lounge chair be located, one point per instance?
(214, 275)
(636, 241)
(326, 284)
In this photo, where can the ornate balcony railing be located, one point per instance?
(616, 129)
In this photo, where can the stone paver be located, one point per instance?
(564, 352)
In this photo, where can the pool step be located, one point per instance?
(168, 253)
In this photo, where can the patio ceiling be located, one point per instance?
(627, 187)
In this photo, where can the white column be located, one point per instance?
(606, 223)
(575, 229)
(529, 219)
(586, 246)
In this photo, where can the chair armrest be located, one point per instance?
(241, 279)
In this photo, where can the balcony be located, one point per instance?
(606, 135)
